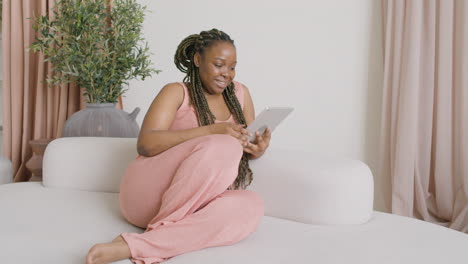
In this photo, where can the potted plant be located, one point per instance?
(97, 44)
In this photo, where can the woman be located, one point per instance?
(187, 186)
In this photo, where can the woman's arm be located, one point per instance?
(155, 137)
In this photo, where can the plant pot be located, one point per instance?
(102, 120)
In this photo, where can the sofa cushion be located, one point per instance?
(54, 225)
(300, 186)
(87, 163)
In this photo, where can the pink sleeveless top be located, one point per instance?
(186, 118)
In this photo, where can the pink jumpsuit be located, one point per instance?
(180, 195)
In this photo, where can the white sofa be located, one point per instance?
(317, 210)
(6, 171)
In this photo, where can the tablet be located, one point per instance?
(270, 117)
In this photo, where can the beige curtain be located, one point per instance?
(424, 143)
(31, 110)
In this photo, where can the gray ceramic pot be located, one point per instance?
(102, 120)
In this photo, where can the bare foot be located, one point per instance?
(108, 252)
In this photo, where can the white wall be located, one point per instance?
(322, 57)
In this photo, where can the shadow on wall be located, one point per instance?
(374, 103)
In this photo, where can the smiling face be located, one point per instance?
(217, 66)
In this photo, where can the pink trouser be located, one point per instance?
(180, 196)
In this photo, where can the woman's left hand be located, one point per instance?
(260, 144)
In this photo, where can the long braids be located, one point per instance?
(184, 61)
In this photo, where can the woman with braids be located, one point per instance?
(187, 186)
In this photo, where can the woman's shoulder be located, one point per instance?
(239, 87)
(172, 91)
(173, 88)
(238, 84)
(240, 90)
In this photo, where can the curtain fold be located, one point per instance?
(31, 109)
(424, 118)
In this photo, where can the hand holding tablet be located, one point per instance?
(270, 117)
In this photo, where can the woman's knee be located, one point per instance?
(130, 215)
(221, 144)
(256, 204)
(246, 203)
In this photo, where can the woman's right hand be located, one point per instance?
(236, 130)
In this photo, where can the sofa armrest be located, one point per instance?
(87, 163)
(303, 187)
(6, 171)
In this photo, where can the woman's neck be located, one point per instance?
(211, 96)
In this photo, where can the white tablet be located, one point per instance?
(270, 117)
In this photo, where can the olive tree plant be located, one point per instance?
(100, 47)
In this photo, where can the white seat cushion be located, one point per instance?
(51, 225)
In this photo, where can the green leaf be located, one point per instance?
(82, 46)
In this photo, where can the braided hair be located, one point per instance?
(184, 61)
